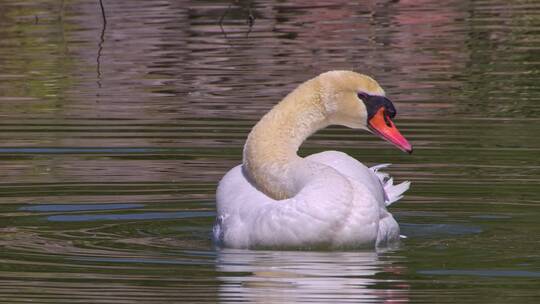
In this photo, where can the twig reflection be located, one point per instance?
(101, 42)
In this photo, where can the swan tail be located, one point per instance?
(393, 193)
(381, 175)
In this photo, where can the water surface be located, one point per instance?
(114, 135)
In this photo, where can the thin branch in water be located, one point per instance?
(250, 19)
(103, 13)
(100, 44)
(223, 17)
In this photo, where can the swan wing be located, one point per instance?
(326, 212)
(353, 169)
(248, 218)
(380, 187)
(380, 184)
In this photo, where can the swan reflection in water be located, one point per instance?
(300, 276)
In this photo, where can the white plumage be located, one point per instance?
(319, 216)
(277, 199)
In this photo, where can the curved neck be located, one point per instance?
(270, 152)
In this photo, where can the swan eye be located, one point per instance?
(374, 102)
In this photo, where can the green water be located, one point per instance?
(113, 138)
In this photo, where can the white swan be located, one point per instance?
(277, 199)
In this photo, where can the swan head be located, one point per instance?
(357, 101)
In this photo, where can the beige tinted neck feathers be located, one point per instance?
(270, 152)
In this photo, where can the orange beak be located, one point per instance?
(383, 126)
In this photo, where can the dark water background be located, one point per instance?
(113, 137)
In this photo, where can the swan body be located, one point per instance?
(277, 199)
